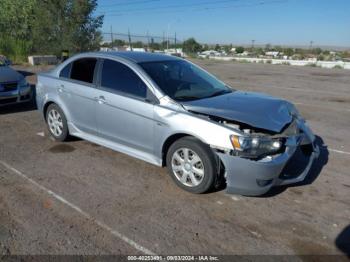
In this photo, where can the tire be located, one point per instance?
(196, 173)
(57, 123)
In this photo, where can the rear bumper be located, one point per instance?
(250, 177)
(21, 94)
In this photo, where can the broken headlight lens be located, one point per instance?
(255, 147)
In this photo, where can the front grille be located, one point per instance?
(8, 101)
(8, 87)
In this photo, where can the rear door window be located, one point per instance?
(120, 78)
(83, 70)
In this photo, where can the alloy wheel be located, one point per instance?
(55, 122)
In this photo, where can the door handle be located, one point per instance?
(101, 100)
(61, 89)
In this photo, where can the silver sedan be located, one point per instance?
(169, 112)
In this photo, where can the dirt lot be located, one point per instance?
(80, 198)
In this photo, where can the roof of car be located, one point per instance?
(140, 57)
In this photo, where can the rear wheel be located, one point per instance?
(192, 165)
(57, 123)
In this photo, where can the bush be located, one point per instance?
(311, 64)
(321, 58)
(269, 61)
(192, 55)
(15, 49)
(243, 61)
(285, 63)
(239, 49)
(338, 67)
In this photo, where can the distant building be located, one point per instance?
(272, 54)
(174, 52)
(245, 53)
(210, 53)
(135, 49)
(107, 49)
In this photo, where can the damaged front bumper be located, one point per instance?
(251, 177)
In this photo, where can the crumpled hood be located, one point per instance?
(7, 74)
(254, 109)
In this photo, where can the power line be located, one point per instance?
(204, 8)
(126, 35)
(129, 3)
(175, 6)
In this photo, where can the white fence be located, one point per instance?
(44, 59)
(325, 64)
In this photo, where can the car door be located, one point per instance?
(79, 93)
(124, 111)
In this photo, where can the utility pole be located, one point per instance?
(311, 44)
(163, 40)
(175, 44)
(111, 36)
(130, 40)
(148, 42)
(167, 36)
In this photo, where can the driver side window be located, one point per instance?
(120, 78)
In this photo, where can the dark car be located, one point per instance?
(13, 85)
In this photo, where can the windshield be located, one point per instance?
(183, 81)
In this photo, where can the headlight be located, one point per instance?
(254, 147)
(23, 83)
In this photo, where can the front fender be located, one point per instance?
(170, 122)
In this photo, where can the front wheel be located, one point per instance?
(57, 123)
(192, 165)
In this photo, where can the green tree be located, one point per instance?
(137, 44)
(47, 27)
(154, 46)
(118, 42)
(259, 51)
(320, 57)
(217, 47)
(191, 46)
(278, 48)
(316, 51)
(66, 24)
(227, 48)
(288, 51)
(16, 19)
(239, 49)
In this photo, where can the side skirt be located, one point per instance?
(115, 146)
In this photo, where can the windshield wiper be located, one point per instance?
(220, 92)
(187, 97)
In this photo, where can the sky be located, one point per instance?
(278, 22)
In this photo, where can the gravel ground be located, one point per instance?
(80, 198)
